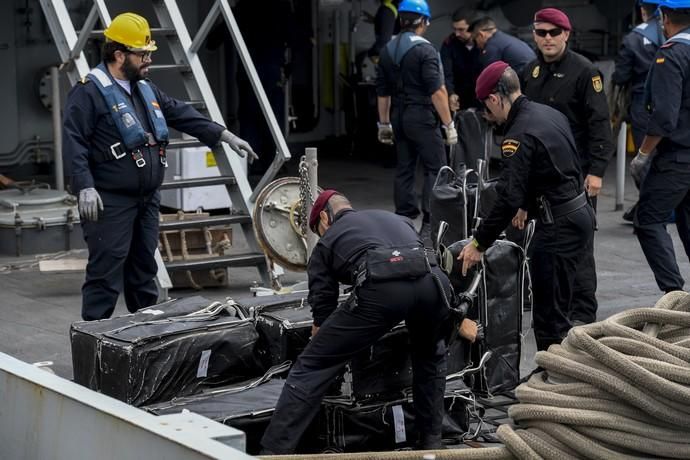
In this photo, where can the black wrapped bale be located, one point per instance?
(387, 425)
(159, 360)
(284, 331)
(247, 409)
(85, 336)
(384, 370)
(499, 308)
(447, 203)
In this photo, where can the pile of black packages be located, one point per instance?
(498, 306)
(148, 360)
(247, 406)
(86, 336)
(385, 425)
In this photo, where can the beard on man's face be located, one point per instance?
(134, 72)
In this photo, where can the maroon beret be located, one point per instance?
(488, 79)
(318, 206)
(554, 16)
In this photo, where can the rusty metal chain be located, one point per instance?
(304, 195)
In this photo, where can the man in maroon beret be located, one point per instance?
(541, 178)
(570, 83)
(351, 243)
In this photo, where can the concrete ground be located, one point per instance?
(36, 309)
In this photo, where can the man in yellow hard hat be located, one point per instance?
(115, 136)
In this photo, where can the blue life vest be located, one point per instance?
(125, 117)
(400, 45)
(397, 49)
(651, 30)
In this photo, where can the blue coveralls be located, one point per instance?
(410, 71)
(667, 185)
(123, 241)
(632, 66)
(504, 47)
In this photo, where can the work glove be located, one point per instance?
(450, 133)
(89, 204)
(385, 134)
(637, 165)
(240, 146)
(454, 102)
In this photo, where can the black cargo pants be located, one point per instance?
(346, 332)
(556, 254)
(417, 137)
(122, 245)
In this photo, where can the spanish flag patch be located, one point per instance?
(509, 147)
(597, 84)
(660, 60)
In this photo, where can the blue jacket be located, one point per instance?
(89, 131)
(636, 56)
(504, 47)
(669, 84)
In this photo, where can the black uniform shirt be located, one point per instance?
(89, 128)
(421, 73)
(634, 60)
(340, 251)
(461, 69)
(539, 160)
(504, 47)
(670, 98)
(574, 86)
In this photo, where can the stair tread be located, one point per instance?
(204, 222)
(235, 260)
(198, 182)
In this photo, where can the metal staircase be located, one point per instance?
(187, 66)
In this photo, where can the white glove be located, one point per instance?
(240, 146)
(385, 134)
(637, 165)
(89, 204)
(451, 134)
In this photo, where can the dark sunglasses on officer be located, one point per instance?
(555, 32)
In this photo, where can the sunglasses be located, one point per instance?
(552, 32)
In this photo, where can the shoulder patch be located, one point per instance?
(597, 84)
(509, 147)
(535, 72)
(668, 44)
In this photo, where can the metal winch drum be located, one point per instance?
(278, 223)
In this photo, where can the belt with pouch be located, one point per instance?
(395, 263)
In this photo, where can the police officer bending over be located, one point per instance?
(541, 175)
(411, 99)
(667, 184)
(382, 256)
(115, 134)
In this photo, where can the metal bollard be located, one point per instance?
(620, 165)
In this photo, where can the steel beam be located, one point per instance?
(45, 416)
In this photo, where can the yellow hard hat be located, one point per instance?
(132, 31)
